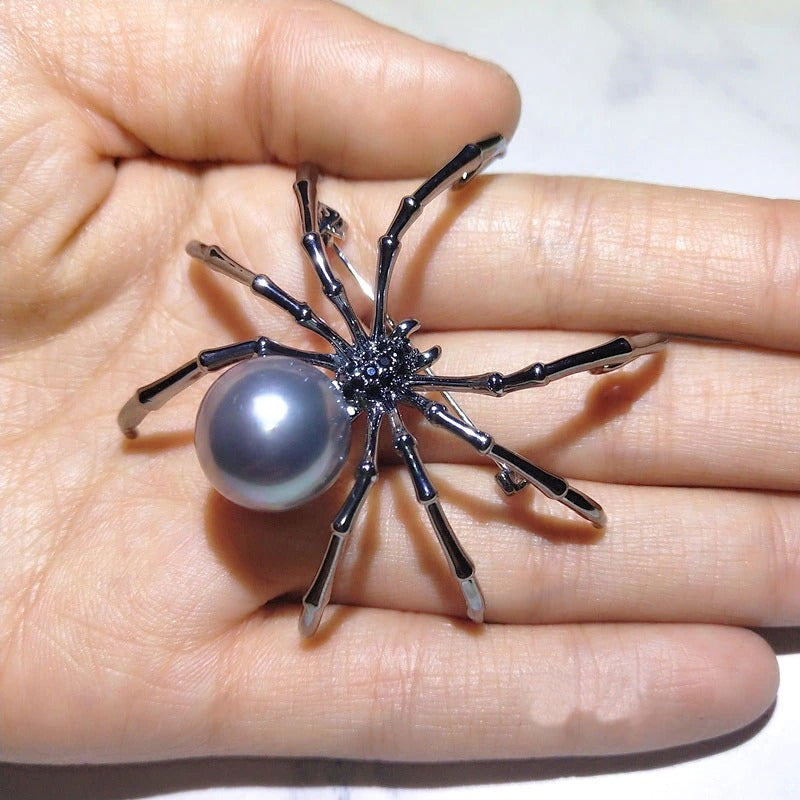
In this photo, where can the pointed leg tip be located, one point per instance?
(596, 516)
(195, 248)
(309, 620)
(130, 416)
(600, 519)
(474, 597)
(584, 506)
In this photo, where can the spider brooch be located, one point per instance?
(274, 431)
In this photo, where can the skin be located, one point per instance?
(143, 617)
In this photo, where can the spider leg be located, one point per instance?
(305, 188)
(216, 258)
(319, 593)
(598, 360)
(460, 563)
(428, 357)
(550, 485)
(458, 171)
(154, 395)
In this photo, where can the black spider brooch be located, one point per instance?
(274, 430)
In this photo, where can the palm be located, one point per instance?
(138, 594)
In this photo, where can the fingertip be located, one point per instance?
(503, 96)
(759, 672)
(745, 684)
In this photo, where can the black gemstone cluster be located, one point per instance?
(378, 370)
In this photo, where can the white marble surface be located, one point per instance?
(702, 94)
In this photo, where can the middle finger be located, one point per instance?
(668, 554)
(700, 414)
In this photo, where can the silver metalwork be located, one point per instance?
(378, 371)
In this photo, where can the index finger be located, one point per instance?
(527, 251)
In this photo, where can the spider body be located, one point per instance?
(377, 371)
(273, 433)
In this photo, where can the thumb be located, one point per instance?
(278, 81)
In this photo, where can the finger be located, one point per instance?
(394, 686)
(251, 82)
(536, 252)
(422, 689)
(700, 414)
(693, 555)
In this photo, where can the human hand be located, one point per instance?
(132, 622)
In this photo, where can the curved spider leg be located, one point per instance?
(552, 486)
(597, 360)
(469, 162)
(429, 356)
(154, 395)
(305, 188)
(318, 595)
(216, 258)
(459, 562)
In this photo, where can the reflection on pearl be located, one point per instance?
(272, 433)
(269, 410)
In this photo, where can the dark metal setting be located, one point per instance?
(378, 371)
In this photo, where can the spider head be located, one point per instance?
(377, 371)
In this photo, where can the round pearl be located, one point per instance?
(272, 433)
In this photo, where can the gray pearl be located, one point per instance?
(272, 433)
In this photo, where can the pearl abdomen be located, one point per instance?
(272, 433)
